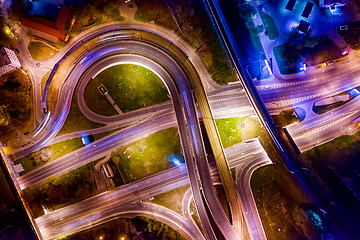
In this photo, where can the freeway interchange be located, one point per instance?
(193, 94)
(182, 112)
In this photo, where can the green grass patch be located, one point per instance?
(48, 154)
(156, 12)
(270, 25)
(161, 230)
(57, 192)
(220, 68)
(148, 156)
(131, 86)
(237, 129)
(41, 52)
(198, 32)
(281, 201)
(76, 121)
(285, 118)
(172, 199)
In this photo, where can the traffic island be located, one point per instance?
(42, 52)
(327, 104)
(237, 129)
(129, 86)
(285, 117)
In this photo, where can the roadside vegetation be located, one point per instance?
(41, 52)
(15, 105)
(283, 206)
(190, 21)
(237, 129)
(247, 10)
(240, 19)
(88, 14)
(58, 192)
(286, 117)
(148, 156)
(172, 199)
(336, 166)
(130, 86)
(312, 51)
(126, 229)
(155, 12)
(269, 25)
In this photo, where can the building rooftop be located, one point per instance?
(54, 29)
(8, 60)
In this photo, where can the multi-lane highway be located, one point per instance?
(81, 215)
(189, 122)
(189, 84)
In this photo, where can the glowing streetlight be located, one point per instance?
(8, 31)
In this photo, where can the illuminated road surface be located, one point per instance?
(81, 215)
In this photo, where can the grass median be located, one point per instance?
(54, 151)
(149, 155)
